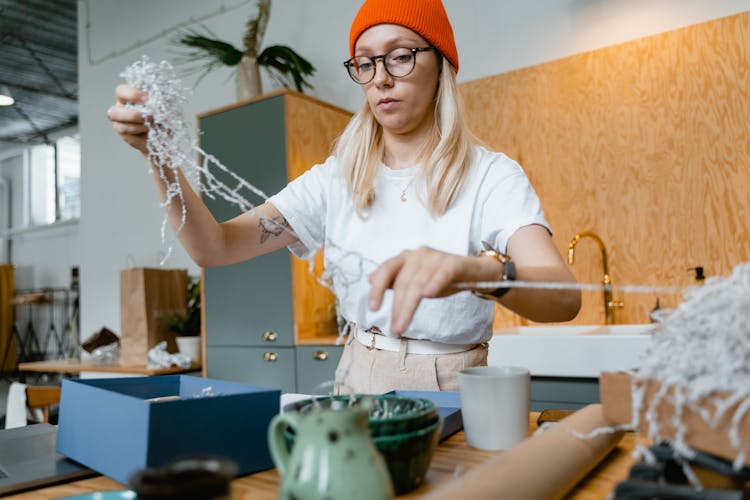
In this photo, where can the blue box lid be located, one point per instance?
(449, 408)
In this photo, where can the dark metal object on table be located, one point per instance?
(664, 479)
(647, 490)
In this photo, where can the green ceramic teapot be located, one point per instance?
(333, 456)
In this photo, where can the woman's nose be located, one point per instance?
(382, 77)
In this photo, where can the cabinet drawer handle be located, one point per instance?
(270, 356)
(320, 355)
(270, 336)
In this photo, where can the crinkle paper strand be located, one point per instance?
(172, 144)
(702, 348)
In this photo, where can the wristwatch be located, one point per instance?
(509, 273)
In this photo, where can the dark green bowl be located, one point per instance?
(389, 414)
(407, 456)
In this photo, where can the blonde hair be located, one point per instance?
(445, 160)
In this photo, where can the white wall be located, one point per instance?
(12, 171)
(43, 257)
(120, 215)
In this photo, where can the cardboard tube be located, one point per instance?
(546, 465)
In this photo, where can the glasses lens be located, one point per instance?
(361, 69)
(399, 62)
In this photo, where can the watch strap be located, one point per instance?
(508, 274)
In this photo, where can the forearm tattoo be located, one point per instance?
(272, 227)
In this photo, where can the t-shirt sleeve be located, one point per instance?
(303, 204)
(511, 204)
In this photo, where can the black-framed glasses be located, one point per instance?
(398, 63)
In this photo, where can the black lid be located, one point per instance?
(193, 478)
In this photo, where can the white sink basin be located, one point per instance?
(570, 350)
(622, 330)
(550, 330)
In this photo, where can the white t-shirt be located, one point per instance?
(496, 200)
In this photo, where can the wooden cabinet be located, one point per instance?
(262, 308)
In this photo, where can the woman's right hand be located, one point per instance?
(126, 121)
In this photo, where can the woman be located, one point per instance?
(406, 208)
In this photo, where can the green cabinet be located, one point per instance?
(254, 365)
(315, 365)
(244, 301)
(563, 393)
(256, 311)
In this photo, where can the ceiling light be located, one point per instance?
(6, 99)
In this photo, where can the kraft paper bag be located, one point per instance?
(149, 298)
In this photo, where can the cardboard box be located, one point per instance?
(615, 394)
(118, 426)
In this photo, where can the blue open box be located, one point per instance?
(116, 426)
(449, 409)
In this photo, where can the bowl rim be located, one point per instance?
(430, 406)
(410, 435)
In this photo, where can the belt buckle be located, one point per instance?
(373, 330)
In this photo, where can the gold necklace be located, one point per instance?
(403, 191)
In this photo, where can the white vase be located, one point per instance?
(190, 346)
(247, 79)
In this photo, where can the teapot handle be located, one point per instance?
(277, 441)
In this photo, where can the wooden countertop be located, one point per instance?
(453, 455)
(89, 365)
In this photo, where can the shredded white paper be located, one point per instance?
(172, 144)
(701, 353)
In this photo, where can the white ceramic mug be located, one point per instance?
(495, 405)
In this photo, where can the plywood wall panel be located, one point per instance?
(646, 143)
(312, 127)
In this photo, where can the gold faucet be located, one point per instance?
(609, 303)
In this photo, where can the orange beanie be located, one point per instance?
(426, 17)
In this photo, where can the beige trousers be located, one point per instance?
(365, 371)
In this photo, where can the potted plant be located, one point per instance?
(188, 328)
(284, 64)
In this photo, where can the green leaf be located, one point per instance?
(190, 324)
(213, 50)
(284, 64)
(289, 66)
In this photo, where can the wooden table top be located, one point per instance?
(451, 457)
(89, 365)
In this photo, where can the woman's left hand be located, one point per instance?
(428, 273)
(414, 275)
